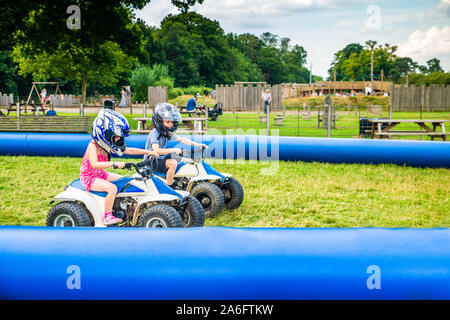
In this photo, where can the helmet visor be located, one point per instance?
(168, 112)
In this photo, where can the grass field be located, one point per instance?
(299, 195)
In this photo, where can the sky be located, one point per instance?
(420, 29)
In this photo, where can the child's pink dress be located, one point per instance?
(89, 174)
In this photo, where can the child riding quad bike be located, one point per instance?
(213, 189)
(141, 201)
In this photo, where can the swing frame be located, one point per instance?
(39, 93)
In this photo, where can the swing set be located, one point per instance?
(39, 94)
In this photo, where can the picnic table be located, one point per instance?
(383, 128)
(195, 125)
(204, 110)
(34, 108)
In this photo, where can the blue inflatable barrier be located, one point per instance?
(224, 263)
(401, 152)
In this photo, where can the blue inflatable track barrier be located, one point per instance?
(366, 151)
(223, 263)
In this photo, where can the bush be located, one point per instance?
(144, 77)
(192, 90)
(175, 92)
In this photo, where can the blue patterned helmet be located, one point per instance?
(108, 125)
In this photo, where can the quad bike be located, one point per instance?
(214, 190)
(142, 201)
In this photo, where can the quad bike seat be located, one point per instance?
(120, 183)
(163, 174)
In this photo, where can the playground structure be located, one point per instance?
(295, 90)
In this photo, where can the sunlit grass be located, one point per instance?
(298, 194)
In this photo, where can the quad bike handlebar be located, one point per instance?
(195, 153)
(144, 168)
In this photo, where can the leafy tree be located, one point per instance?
(145, 76)
(74, 64)
(433, 65)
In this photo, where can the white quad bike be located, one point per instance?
(215, 190)
(142, 201)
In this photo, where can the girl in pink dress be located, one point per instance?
(108, 132)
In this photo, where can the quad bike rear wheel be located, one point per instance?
(160, 216)
(233, 194)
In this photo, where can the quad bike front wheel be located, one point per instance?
(69, 214)
(194, 215)
(160, 216)
(211, 198)
(233, 193)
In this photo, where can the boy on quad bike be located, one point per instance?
(166, 118)
(214, 190)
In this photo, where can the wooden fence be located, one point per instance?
(157, 95)
(60, 100)
(241, 97)
(6, 99)
(420, 98)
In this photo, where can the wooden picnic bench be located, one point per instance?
(383, 128)
(32, 123)
(34, 107)
(197, 111)
(194, 125)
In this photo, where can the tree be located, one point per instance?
(433, 65)
(400, 67)
(145, 76)
(339, 59)
(98, 51)
(103, 65)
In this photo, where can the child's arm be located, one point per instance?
(161, 151)
(136, 151)
(93, 159)
(191, 143)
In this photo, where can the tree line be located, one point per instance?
(112, 49)
(354, 63)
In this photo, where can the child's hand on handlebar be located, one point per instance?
(202, 145)
(151, 153)
(118, 165)
(177, 150)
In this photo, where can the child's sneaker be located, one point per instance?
(110, 219)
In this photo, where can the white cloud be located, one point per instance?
(423, 45)
(444, 7)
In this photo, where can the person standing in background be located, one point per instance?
(267, 99)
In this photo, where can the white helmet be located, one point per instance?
(107, 125)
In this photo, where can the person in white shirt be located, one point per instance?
(267, 98)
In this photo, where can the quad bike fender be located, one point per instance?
(94, 204)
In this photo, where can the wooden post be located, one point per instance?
(391, 100)
(268, 120)
(334, 80)
(144, 111)
(18, 109)
(82, 109)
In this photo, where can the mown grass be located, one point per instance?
(299, 194)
